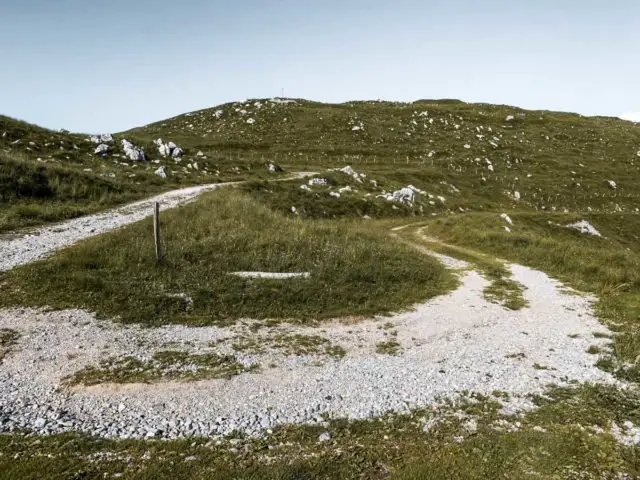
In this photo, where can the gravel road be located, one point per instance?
(43, 242)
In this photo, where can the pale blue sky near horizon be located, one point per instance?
(108, 66)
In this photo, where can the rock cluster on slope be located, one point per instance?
(168, 149)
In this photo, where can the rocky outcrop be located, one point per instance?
(168, 149)
(132, 152)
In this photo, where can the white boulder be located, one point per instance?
(612, 184)
(161, 173)
(404, 195)
(584, 227)
(132, 152)
(101, 149)
(168, 149)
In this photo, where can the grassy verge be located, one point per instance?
(353, 271)
(468, 439)
(34, 193)
(607, 266)
(8, 338)
(163, 366)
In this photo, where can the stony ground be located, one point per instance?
(455, 343)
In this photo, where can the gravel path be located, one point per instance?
(453, 343)
(42, 242)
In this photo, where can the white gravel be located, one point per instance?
(454, 343)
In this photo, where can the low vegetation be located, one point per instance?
(288, 345)
(389, 348)
(162, 366)
(353, 271)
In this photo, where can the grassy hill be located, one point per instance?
(475, 156)
(467, 164)
(555, 161)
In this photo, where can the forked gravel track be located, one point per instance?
(454, 343)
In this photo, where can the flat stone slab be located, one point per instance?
(275, 275)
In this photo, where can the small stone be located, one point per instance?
(324, 437)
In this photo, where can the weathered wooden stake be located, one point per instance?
(156, 231)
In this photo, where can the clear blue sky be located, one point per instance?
(98, 66)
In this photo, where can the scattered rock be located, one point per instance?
(352, 173)
(334, 194)
(509, 118)
(161, 173)
(324, 437)
(506, 218)
(612, 184)
(274, 167)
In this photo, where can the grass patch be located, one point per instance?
(164, 365)
(388, 348)
(353, 271)
(503, 290)
(594, 350)
(8, 338)
(537, 366)
(290, 345)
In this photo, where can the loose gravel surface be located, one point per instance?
(42, 242)
(454, 343)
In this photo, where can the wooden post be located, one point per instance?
(156, 231)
